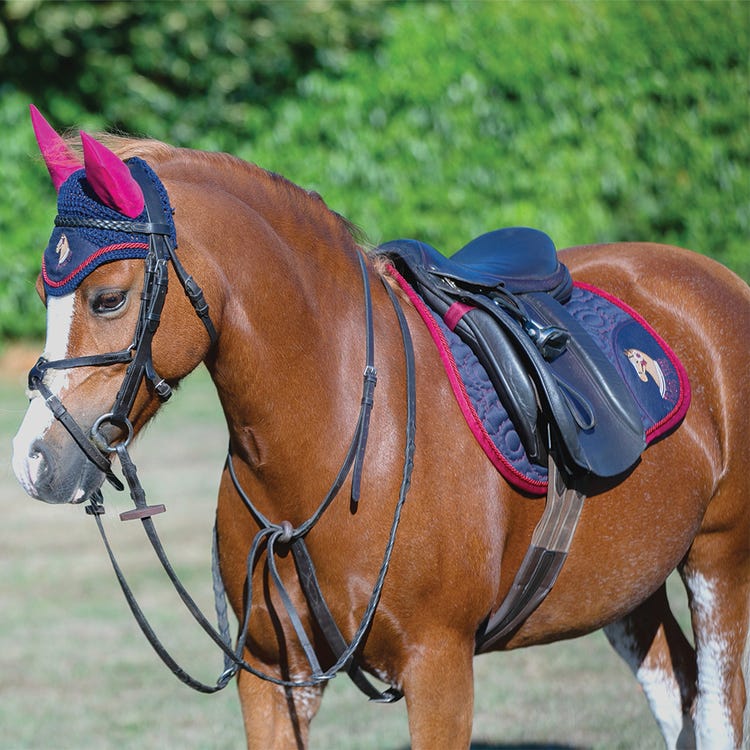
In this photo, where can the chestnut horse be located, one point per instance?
(281, 274)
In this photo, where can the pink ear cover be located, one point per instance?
(110, 178)
(60, 160)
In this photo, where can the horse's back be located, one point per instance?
(659, 278)
(702, 310)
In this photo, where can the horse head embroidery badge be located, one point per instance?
(645, 366)
(63, 250)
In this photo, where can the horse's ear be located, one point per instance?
(110, 178)
(60, 160)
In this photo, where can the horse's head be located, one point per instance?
(105, 367)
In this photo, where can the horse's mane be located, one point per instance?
(156, 152)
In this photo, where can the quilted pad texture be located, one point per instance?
(649, 368)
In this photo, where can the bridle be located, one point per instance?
(276, 538)
(138, 355)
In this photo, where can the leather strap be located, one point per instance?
(336, 641)
(542, 563)
(60, 413)
(277, 538)
(114, 225)
(290, 537)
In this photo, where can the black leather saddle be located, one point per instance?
(504, 294)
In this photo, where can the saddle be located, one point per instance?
(504, 294)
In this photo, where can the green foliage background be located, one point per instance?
(594, 121)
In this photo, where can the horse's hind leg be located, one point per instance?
(655, 648)
(717, 576)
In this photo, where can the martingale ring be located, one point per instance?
(101, 440)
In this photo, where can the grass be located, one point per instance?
(76, 673)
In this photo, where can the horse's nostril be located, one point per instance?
(38, 450)
(40, 462)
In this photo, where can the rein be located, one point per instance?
(278, 538)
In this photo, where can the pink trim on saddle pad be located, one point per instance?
(671, 420)
(508, 471)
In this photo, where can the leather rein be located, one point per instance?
(276, 538)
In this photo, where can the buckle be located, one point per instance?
(551, 341)
(36, 373)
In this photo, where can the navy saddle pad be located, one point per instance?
(619, 347)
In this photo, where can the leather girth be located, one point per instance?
(542, 563)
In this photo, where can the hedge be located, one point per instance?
(593, 121)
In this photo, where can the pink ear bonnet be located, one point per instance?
(100, 188)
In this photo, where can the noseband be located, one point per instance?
(277, 538)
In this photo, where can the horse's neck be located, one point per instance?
(291, 356)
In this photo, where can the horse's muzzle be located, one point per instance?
(54, 473)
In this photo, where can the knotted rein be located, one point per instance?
(277, 537)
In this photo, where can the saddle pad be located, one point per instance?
(650, 369)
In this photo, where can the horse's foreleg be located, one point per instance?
(276, 718)
(438, 684)
(655, 648)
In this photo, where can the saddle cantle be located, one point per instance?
(504, 294)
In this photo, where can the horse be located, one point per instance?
(285, 279)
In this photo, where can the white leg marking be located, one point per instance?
(712, 719)
(38, 419)
(746, 678)
(659, 686)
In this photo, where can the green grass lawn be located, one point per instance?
(76, 673)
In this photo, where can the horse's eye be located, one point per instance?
(108, 302)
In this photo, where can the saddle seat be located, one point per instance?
(519, 259)
(504, 294)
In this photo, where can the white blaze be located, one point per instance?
(38, 419)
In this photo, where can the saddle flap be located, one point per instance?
(612, 440)
(496, 353)
(594, 424)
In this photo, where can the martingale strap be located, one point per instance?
(290, 538)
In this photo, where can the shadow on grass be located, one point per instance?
(523, 746)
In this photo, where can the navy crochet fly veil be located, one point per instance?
(74, 252)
